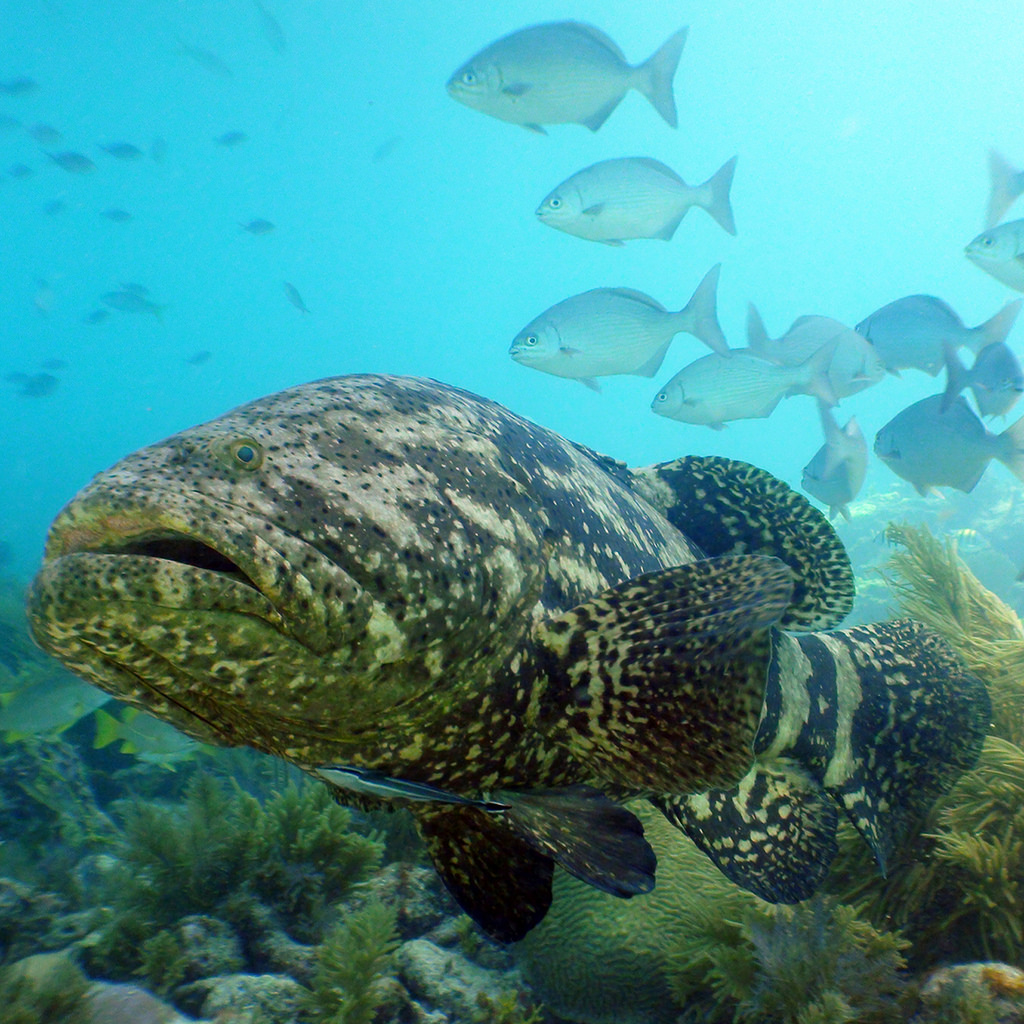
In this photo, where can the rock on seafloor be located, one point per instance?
(991, 992)
(127, 1004)
(252, 998)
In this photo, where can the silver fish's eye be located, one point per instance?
(661, 396)
(555, 203)
(531, 340)
(246, 453)
(468, 77)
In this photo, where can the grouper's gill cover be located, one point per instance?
(394, 575)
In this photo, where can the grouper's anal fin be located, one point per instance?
(495, 876)
(773, 834)
(657, 684)
(729, 507)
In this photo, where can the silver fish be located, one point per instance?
(1007, 186)
(563, 73)
(999, 251)
(931, 448)
(615, 330)
(996, 379)
(204, 58)
(122, 150)
(716, 388)
(634, 197)
(855, 364)
(258, 226)
(272, 30)
(837, 469)
(293, 296)
(909, 332)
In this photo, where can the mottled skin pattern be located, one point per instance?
(404, 537)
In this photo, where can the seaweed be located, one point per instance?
(353, 961)
(815, 963)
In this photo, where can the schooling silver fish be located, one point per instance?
(615, 330)
(741, 385)
(563, 73)
(932, 448)
(999, 251)
(909, 333)
(996, 379)
(634, 197)
(855, 364)
(837, 469)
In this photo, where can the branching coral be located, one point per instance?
(811, 964)
(354, 959)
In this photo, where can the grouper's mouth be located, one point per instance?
(198, 616)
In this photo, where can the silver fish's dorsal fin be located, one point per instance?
(642, 297)
(730, 507)
(595, 35)
(629, 672)
(777, 807)
(663, 169)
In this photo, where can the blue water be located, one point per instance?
(406, 220)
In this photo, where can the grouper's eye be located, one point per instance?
(245, 454)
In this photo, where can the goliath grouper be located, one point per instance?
(426, 601)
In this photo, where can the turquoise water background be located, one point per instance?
(406, 221)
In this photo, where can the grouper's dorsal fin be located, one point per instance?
(495, 876)
(773, 834)
(657, 684)
(730, 507)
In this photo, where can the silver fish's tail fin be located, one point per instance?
(654, 76)
(996, 328)
(591, 836)
(957, 375)
(714, 196)
(1010, 448)
(1007, 185)
(757, 333)
(875, 721)
(699, 316)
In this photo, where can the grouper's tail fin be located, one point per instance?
(875, 721)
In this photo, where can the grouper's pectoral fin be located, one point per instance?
(657, 684)
(774, 833)
(496, 877)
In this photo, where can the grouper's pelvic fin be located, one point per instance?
(727, 507)
(498, 865)
(657, 684)
(875, 721)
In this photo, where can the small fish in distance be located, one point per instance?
(72, 162)
(563, 73)
(44, 134)
(122, 150)
(257, 226)
(293, 296)
(999, 251)
(610, 331)
(231, 139)
(634, 197)
(932, 448)
(909, 333)
(117, 215)
(129, 301)
(837, 469)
